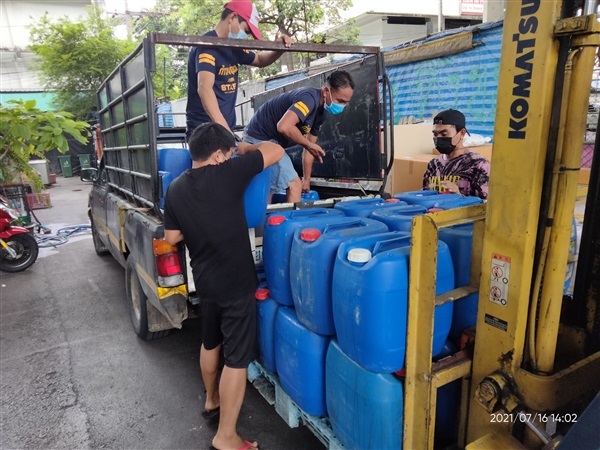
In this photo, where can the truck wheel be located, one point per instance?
(136, 301)
(99, 246)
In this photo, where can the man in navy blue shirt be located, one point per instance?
(295, 118)
(213, 72)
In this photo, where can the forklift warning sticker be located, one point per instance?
(499, 279)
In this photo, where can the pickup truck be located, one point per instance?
(125, 200)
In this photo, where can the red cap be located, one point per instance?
(401, 372)
(247, 11)
(432, 210)
(392, 200)
(276, 220)
(310, 234)
(261, 294)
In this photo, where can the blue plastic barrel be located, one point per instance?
(277, 244)
(311, 261)
(310, 196)
(458, 203)
(165, 180)
(174, 160)
(370, 299)
(398, 218)
(266, 310)
(256, 198)
(426, 198)
(365, 206)
(365, 408)
(281, 197)
(300, 361)
(459, 239)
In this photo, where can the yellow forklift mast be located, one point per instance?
(518, 391)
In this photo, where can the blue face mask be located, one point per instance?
(240, 35)
(334, 108)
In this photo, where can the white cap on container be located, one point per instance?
(359, 255)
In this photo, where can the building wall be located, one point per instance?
(16, 16)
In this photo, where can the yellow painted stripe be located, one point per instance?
(207, 61)
(206, 55)
(302, 107)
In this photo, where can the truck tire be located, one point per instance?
(136, 302)
(99, 246)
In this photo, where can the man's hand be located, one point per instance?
(305, 184)
(287, 41)
(316, 151)
(449, 186)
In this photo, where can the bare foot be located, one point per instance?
(236, 443)
(213, 402)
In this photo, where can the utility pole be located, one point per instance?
(128, 25)
(441, 24)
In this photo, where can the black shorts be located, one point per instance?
(233, 324)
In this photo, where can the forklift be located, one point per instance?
(531, 378)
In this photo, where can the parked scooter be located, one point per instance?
(18, 248)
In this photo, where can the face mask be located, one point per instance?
(334, 108)
(240, 34)
(444, 145)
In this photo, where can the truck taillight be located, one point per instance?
(168, 266)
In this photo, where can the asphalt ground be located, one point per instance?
(73, 374)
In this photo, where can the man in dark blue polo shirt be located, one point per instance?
(213, 72)
(296, 117)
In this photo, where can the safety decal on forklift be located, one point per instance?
(499, 277)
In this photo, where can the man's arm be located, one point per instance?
(173, 236)
(271, 153)
(206, 82)
(264, 59)
(287, 127)
(307, 164)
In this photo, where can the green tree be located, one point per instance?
(26, 131)
(297, 18)
(75, 57)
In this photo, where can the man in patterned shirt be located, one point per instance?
(295, 118)
(213, 72)
(458, 169)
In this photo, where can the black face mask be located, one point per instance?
(444, 145)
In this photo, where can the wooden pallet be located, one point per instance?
(267, 384)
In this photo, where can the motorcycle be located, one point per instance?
(18, 248)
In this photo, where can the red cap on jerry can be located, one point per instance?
(261, 294)
(276, 220)
(392, 200)
(310, 234)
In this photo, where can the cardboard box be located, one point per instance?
(584, 176)
(413, 139)
(484, 150)
(408, 171)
